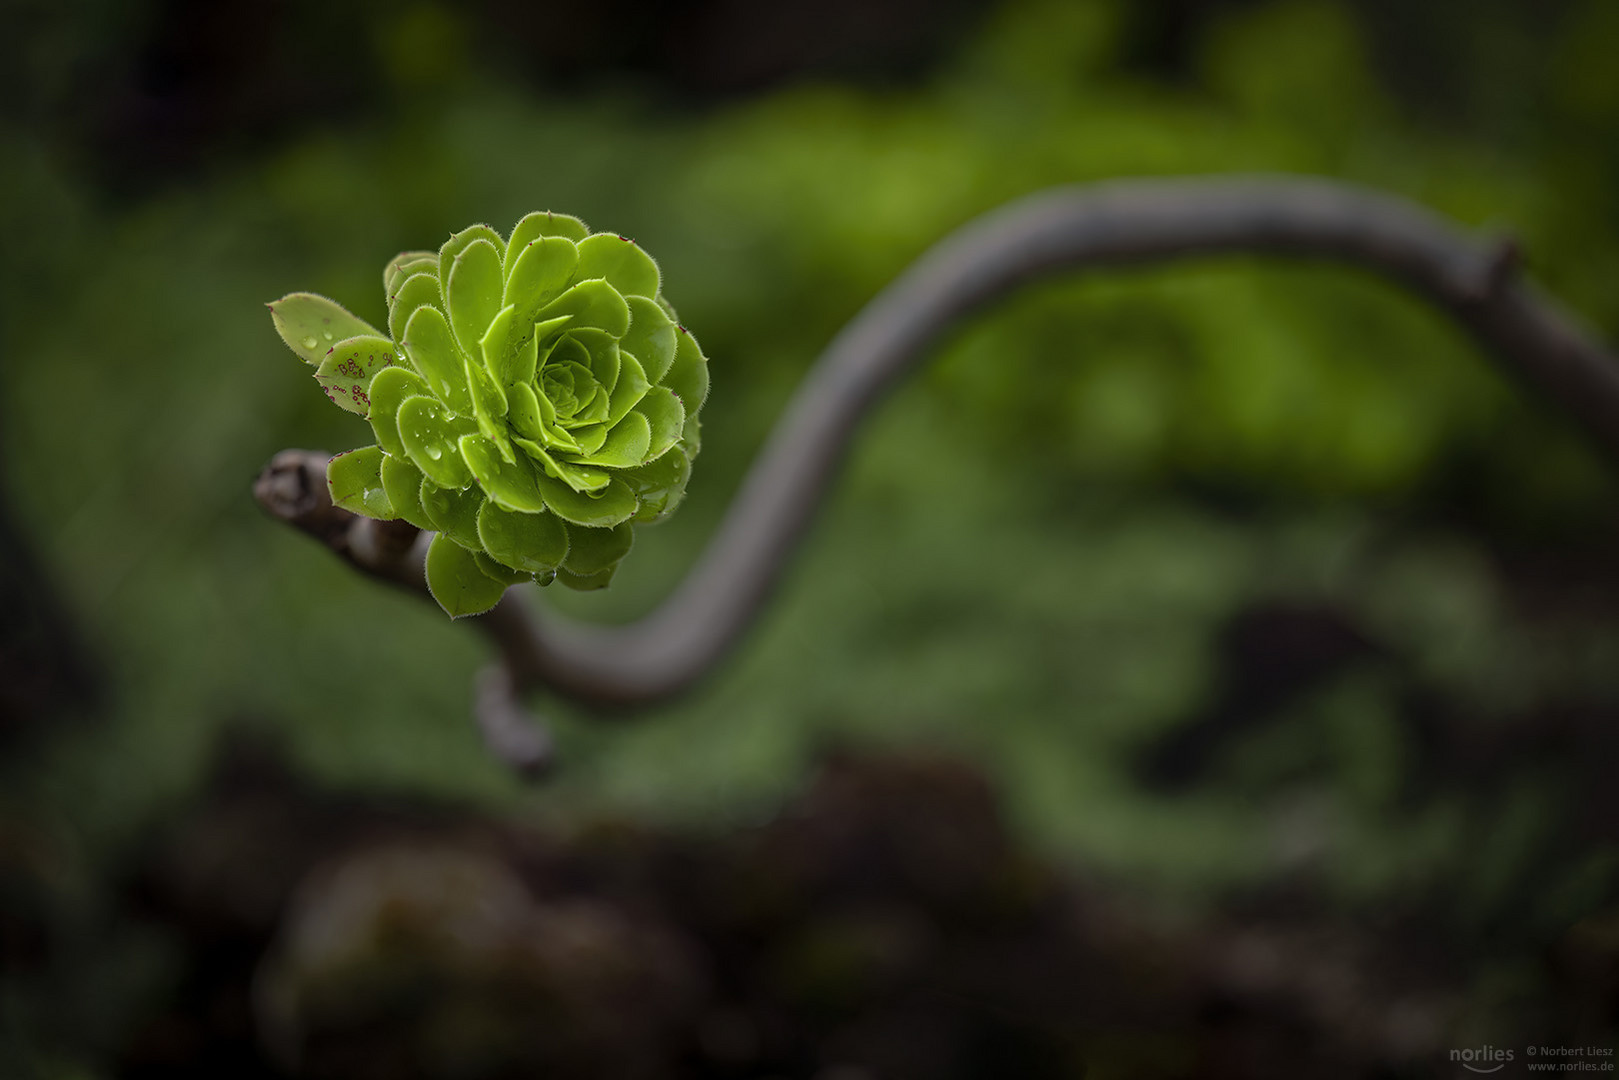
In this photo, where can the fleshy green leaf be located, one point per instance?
(587, 583)
(459, 242)
(430, 436)
(491, 348)
(626, 444)
(578, 477)
(688, 375)
(418, 291)
(389, 389)
(457, 582)
(522, 361)
(346, 372)
(540, 272)
(559, 440)
(535, 543)
(593, 550)
(632, 386)
(402, 266)
(665, 417)
(499, 571)
(659, 484)
(602, 355)
(454, 513)
(311, 324)
(593, 411)
(530, 411)
(572, 389)
(433, 350)
(592, 303)
(651, 338)
(523, 411)
(473, 294)
(489, 407)
(614, 504)
(514, 485)
(590, 438)
(568, 353)
(542, 223)
(621, 261)
(355, 481)
(403, 483)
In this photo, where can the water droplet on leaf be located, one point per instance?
(310, 343)
(434, 452)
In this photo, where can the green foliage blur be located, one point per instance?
(1034, 542)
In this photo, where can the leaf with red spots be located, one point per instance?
(349, 367)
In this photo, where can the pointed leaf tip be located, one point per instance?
(310, 324)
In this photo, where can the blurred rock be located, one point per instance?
(445, 949)
(884, 924)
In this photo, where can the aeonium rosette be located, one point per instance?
(533, 399)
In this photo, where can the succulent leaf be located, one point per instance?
(389, 389)
(454, 513)
(541, 272)
(544, 223)
(578, 477)
(355, 481)
(688, 374)
(457, 582)
(491, 348)
(621, 263)
(432, 348)
(311, 324)
(535, 399)
(590, 551)
(460, 241)
(489, 407)
(536, 543)
(660, 485)
(625, 445)
(350, 365)
(631, 388)
(402, 481)
(651, 339)
(473, 294)
(592, 303)
(585, 582)
(521, 358)
(404, 265)
(431, 437)
(511, 485)
(418, 291)
(615, 503)
(665, 416)
(500, 571)
(524, 412)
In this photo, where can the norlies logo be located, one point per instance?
(1485, 1059)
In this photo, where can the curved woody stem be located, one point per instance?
(1059, 231)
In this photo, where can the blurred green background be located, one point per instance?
(1068, 550)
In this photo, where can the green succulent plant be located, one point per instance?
(533, 400)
